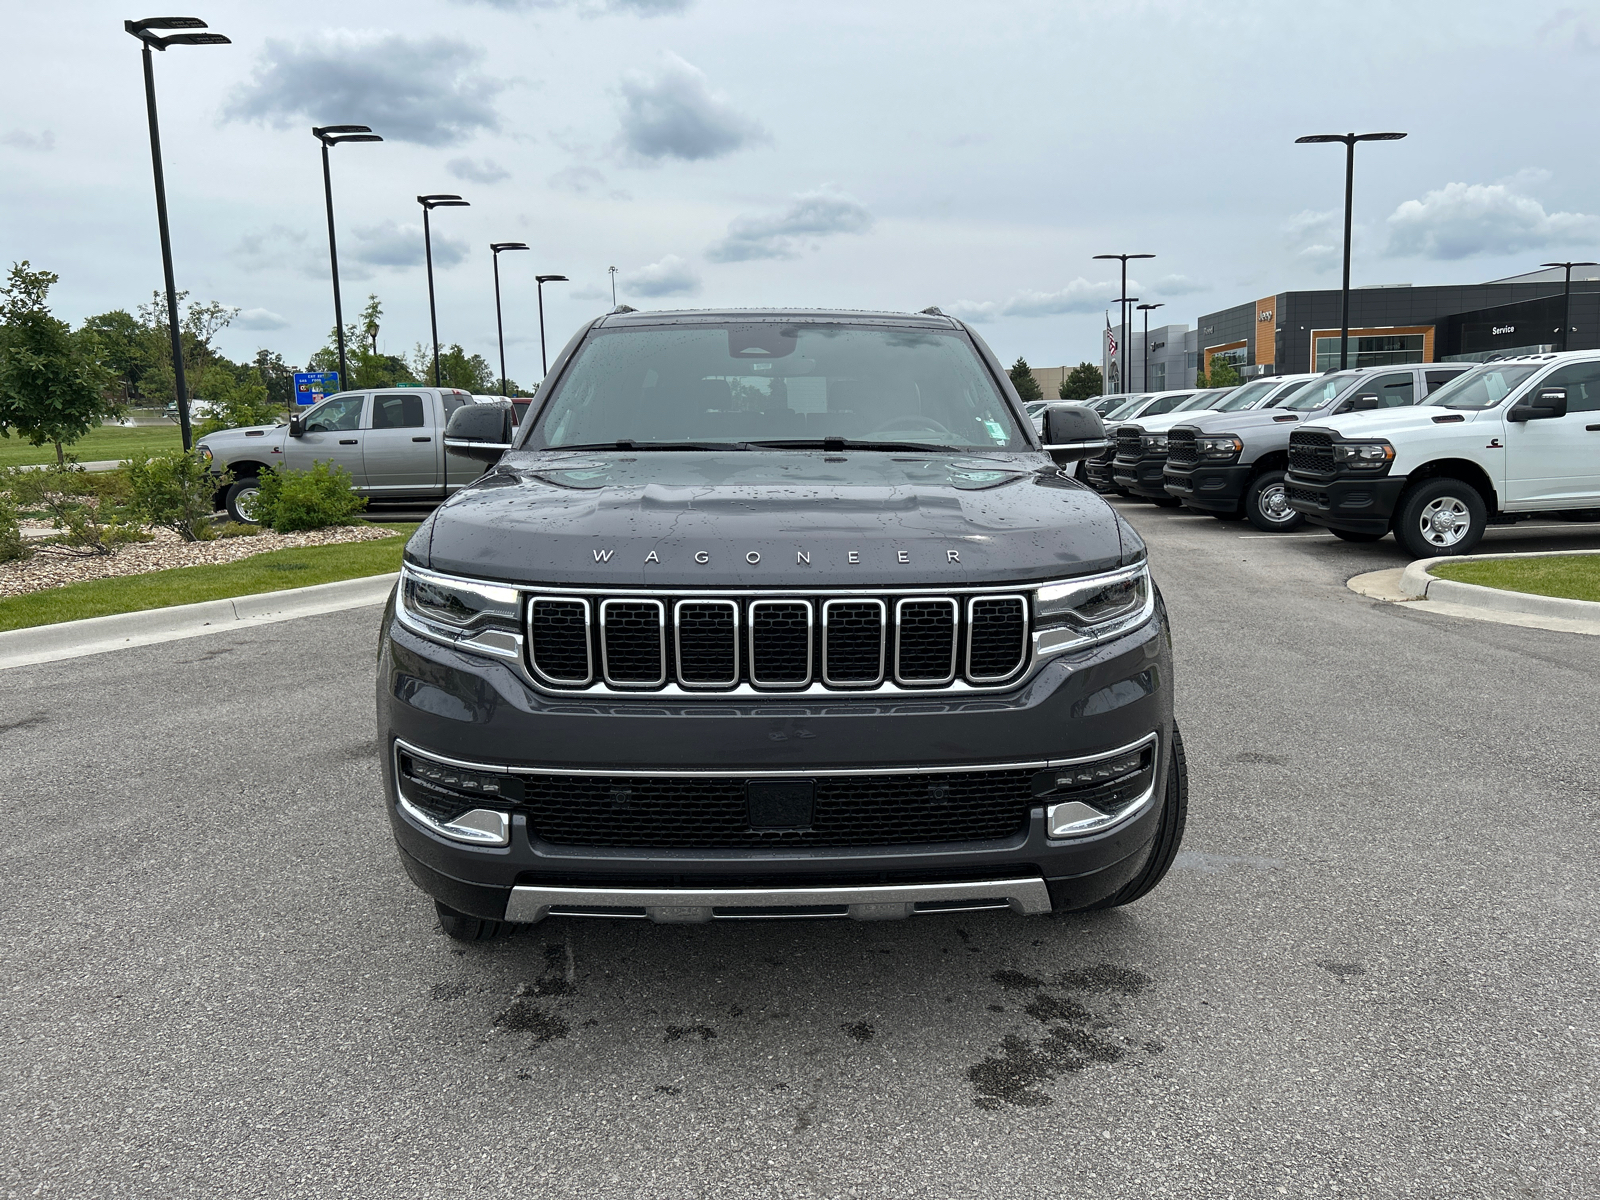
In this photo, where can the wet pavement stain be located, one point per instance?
(667, 1089)
(523, 1017)
(860, 1030)
(676, 1033)
(1077, 1037)
(1341, 971)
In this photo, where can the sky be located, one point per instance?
(883, 155)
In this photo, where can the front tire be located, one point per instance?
(1266, 504)
(1439, 517)
(463, 927)
(1351, 535)
(1169, 835)
(242, 501)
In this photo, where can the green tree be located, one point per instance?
(197, 330)
(1083, 382)
(1022, 378)
(278, 378)
(53, 386)
(367, 365)
(128, 348)
(1223, 375)
(235, 397)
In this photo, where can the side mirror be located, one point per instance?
(1550, 402)
(1073, 433)
(481, 431)
(297, 425)
(1365, 401)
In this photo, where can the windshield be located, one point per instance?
(1249, 395)
(1199, 400)
(1128, 408)
(1483, 388)
(735, 384)
(1320, 391)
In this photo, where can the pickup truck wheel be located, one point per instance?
(241, 500)
(465, 928)
(1266, 504)
(1439, 517)
(1169, 835)
(1352, 535)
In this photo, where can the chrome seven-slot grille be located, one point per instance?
(777, 644)
(1311, 450)
(1181, 446)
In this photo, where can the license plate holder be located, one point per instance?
(781, 803)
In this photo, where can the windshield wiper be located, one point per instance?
(630, 445)
(831, 443)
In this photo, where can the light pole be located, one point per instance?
(429, 203)
(498, 324)
(613, 272)
(332, 135)
(1124, 302)
(152, 41)
(544, 279)
(1349, 140)
(1145, 308)
(1566, 297)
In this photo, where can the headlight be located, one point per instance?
(1077, 611)
(1222, 448)
(205, 453)
(457, 605)
(1363, 456)
(1154, 441)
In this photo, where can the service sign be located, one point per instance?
(312, 387)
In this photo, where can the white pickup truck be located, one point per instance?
(390, 440)
(1512, 439)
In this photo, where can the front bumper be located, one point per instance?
(1360, 505)
(1142, 477)
(1213, 488)
(1098, 472)
(449, 706)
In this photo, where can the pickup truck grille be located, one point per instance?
(776, 644)
(1311, 451)
(1181, 447)
(1128, 443)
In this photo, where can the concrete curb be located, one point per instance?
(1417, 582)
(98, 635)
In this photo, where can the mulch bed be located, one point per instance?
(51, 567)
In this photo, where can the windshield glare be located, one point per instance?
(775, 381)
(1247, 396)
(1200, 400)
(1483, 388)
(1322, 390)
(1127, 409)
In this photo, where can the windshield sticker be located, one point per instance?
(995, 430)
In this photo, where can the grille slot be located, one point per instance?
(633, 650)
(925, 641)
(558, 640)
(706, 635)
(853, 641)
(780, 643)
(997, 637)
(1311, 450)
(1181, 447)
(1128, 442)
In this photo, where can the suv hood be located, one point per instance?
(752, 518)
(1417, 418)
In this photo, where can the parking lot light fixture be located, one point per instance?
(1566, 297)
(150, 39)
(1122, 380)
(429, 203)
(1145, 308)
(332, 135)
(1349, 140)
(498, 324)
(544, 279)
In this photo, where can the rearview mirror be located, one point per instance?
(480, 431)
(1550, 402)
(297, 425)
(1073, 433)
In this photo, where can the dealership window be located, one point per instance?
(1385, 350)
(1158, 377)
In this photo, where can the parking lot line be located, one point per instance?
(1281, 536)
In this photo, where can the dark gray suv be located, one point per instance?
(777, 614)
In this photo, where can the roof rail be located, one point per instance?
(622, 308)
(933, 310)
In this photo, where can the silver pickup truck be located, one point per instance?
(391, 441)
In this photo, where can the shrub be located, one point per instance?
(13, 546)
(295, 500)
(85, 524)
(175, 491)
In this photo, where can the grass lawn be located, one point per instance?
(273, 571)
(108, 441)
(1574, 576)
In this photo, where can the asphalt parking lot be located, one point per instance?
(1372, 973)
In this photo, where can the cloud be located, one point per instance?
(388, 244)
(281, 248)
(423, 90)
(1179, 285)
(580, 180)
(1569, 27)
(477, 170)
(1079, 296)
(809, 216)
(591, 293)
(669, 277)
(43, 141)
(1315, 238)
(641, 8)
(1464, 219)
(673, 113)
(260, 318)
